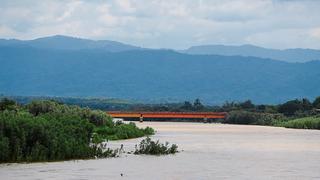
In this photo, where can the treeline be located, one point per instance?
(297, 107)
(50, 131)
(275, 115)
(245, 112)
(298, 113)
(92, 103)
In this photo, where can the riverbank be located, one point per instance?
(210, 151)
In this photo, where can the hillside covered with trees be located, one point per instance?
(152, 76)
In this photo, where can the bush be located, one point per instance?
(41, 107)
(50, 131)
(302, 123)
(123, 131)
(7, 104)
(147, 146)
(316, 103)
(46, 137)
(253, 118)
(100, 118)
(292, 107)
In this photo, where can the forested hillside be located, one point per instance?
(73, 67)
(154, 75)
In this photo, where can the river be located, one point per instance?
(210, 151)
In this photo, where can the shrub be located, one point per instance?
(100, 118)
(44, 137)
(316, 103)
(292, 107)
(147, 146)
(122, 131)
(254, 118)
(7, 104)
(302, 123)
(41, 107)
(49, 131)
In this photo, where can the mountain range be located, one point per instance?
(60, 42)
(66, 66)
(288, 55)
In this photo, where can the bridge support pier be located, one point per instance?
(205, 120)
(141, 119)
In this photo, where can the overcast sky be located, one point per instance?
(168, 23)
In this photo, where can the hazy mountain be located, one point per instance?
(288, 55)
(60, 42)
(69, 43)
(154, 75)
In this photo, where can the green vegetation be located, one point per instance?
(302, 123)
(50, 131)
(292, 114)
(92, 103)
(147, 146)
(316, 103)
(122, 131)
(253, 118)
(245, 112)
(295, 107)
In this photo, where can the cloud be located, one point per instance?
(167, 24)
(315, 33)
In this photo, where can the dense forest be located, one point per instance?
(50, 131)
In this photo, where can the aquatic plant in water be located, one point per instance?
(150, 147)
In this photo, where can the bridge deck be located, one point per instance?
(208, 115)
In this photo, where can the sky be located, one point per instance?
(175, 24)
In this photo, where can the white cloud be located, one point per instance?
(6, 30)
(167, 24)
(125, 6)
(278, 38)
(315, 33)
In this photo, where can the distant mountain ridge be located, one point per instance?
(61, 42)
(153, 75)
(288, 55)
(70, 43)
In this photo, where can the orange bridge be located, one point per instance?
(183, 115)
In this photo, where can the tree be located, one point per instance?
(8, 104)
(39, 107)
(316, 103)
(291, 107)
(261, 108)
(229, 106)
(247, 105)
(187, 106)
(306, 104)
(197, 105)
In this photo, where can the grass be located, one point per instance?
(302, 123)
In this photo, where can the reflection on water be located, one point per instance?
(210, 151)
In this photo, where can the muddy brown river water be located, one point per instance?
(210, 151)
